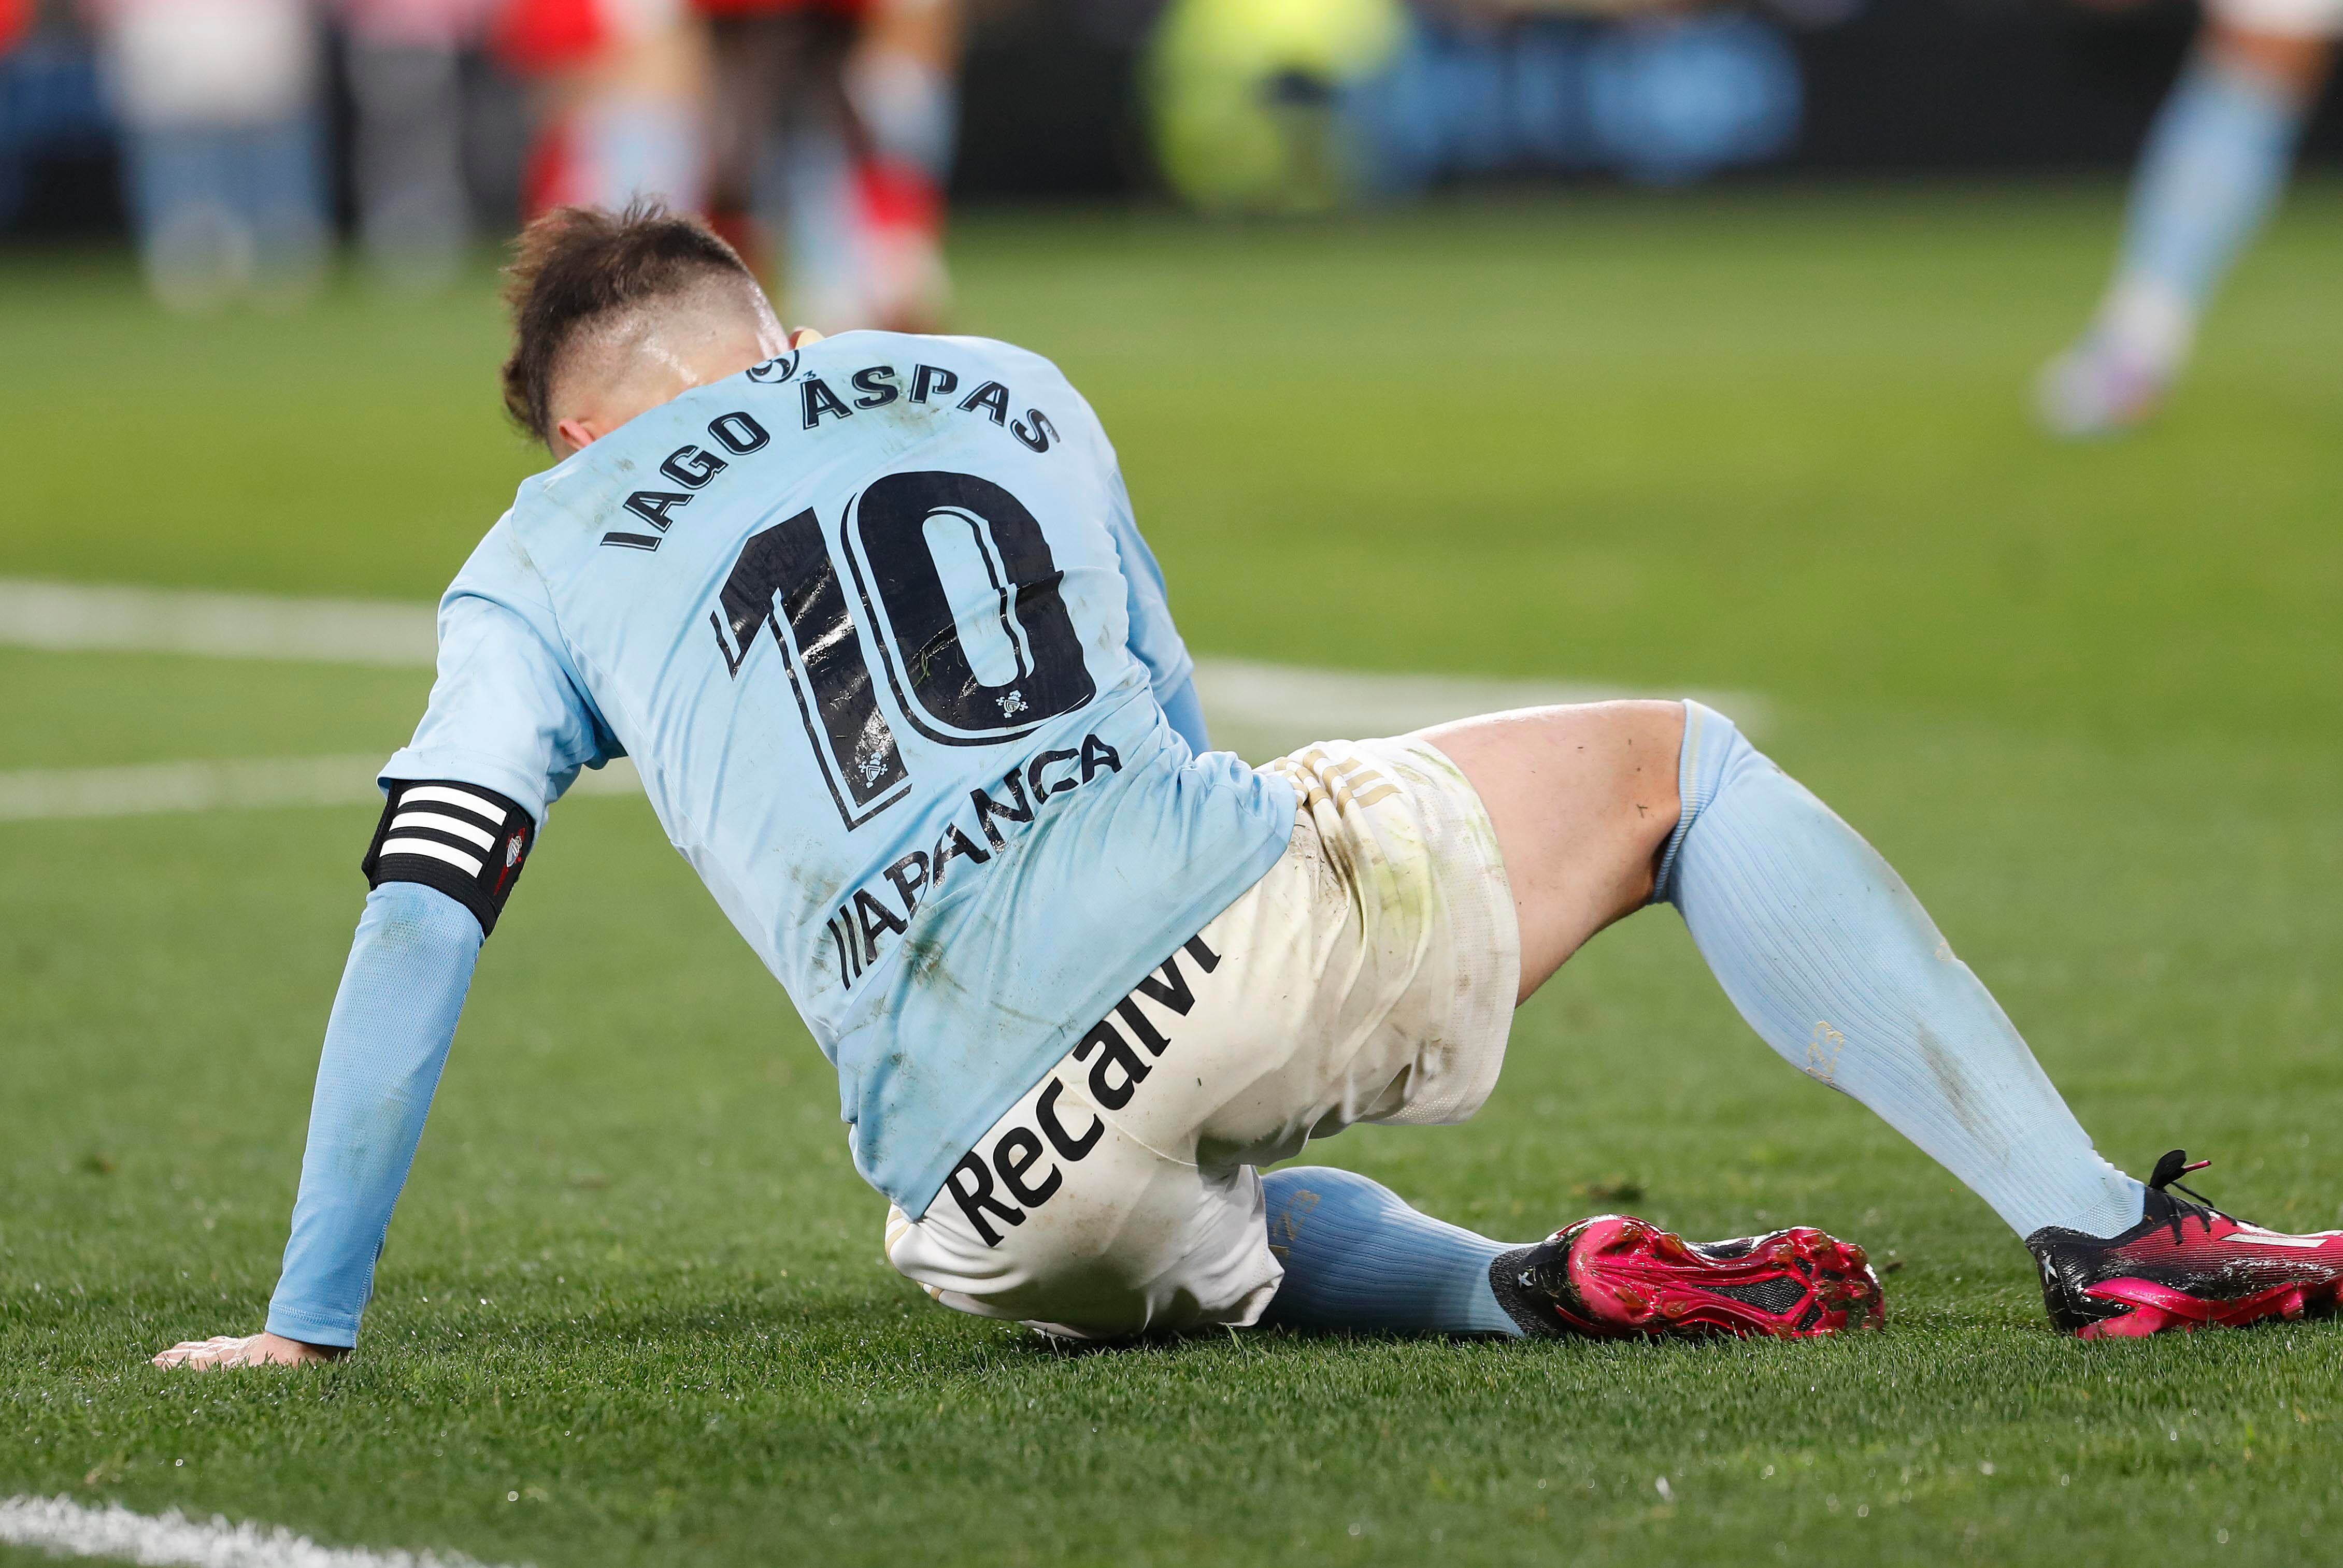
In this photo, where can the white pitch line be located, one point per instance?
(42, 794)
(65, 1528)
(66, 617)
(1258, 709)
(60, 794)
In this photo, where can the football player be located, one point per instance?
(403, 59)
(223, 160)
(834, 124)
(873, 617)
(618, 86)
(2214, 167)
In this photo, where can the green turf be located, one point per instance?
(2088, 699)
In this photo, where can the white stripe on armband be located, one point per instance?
(469, 864)
(462, 800)
(438, 823)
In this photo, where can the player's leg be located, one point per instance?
(1368, 976)
(1815, 938)
(901, 82)
(806, 191)
(1582, 801)
(2213, 168)
(642, 116)
(748, 65)
(406, 153)
(1829, 956)
(1357, 1258)
(177, 180)
(284, 196)
(620, 95)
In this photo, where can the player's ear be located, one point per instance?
(573, 436)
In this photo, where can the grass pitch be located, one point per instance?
(633, 1309)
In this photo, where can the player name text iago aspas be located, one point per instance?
(873, 387)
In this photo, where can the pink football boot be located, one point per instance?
(1613, 1277)
(2184, 1266)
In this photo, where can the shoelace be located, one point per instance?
(2167, 1174)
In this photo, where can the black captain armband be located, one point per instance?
(460, 840)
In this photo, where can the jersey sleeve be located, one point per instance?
(386, 1043)
(1154, 639)
(508, 712)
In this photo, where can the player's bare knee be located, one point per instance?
(1582, 798)
(1650, 759)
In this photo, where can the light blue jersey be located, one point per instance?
(875, 623)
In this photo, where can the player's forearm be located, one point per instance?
(1186, 712)
(386, 1041)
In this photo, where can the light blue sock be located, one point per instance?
(2213, 168)
(1357, 1258)
(1832, 959)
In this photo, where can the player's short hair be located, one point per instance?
(577, 265)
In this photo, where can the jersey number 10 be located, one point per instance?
(785, 578)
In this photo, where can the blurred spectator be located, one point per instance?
(902, 86)
(51, 103)
(2214, 167)
(405, 59)
(222, 156)
(835, 125)
(620, 85)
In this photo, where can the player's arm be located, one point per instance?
(1185, 709)
(506, 732)
(1153, 638)
(387, 1042)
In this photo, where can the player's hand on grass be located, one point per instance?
(249, 1351)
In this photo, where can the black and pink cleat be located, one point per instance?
(2184, 1266)
(1613, 1277)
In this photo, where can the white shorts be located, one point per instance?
(1368, 976)
(2282, 18)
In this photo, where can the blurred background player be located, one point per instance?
(619, 85)
(835, 122)
(223, 162)
(405, 60)
(2214, 167)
